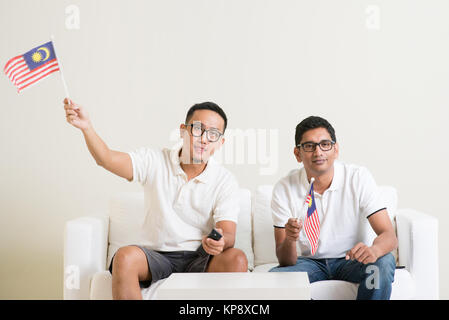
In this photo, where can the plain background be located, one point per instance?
(377, 70)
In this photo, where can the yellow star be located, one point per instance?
(37, 56)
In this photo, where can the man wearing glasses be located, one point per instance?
(344, 196)
(186, 195)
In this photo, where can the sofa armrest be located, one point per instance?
(418, 250)
(85, 250)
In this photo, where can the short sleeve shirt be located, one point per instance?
(179, 212)
(352, 196)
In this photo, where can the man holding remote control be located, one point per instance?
(187, 195)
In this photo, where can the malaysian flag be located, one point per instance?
(32, 66)
(312, 222)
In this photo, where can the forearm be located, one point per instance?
(286, 253)
(384, 243)
(97, 147)
(229, 240)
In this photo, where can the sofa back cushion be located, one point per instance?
(263, 230)
(126, 215)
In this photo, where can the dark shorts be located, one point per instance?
(162, 264)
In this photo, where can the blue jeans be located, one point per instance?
(374, 279)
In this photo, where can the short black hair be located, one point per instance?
(310, 123)
(207, 106)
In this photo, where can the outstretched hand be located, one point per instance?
(76, 115)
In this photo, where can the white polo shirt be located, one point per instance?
(352, 196)
(179, 212)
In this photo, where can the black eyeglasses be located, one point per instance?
(197, 130)
(325, 145)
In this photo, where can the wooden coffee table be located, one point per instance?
(235, 286)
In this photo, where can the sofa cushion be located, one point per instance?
(126, 215)
(263, 230)
(101, 287)
(243, 237)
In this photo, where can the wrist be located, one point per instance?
(376, 251)
(87, 128)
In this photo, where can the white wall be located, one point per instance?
(377, 70)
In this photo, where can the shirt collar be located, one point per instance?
(204, 177)
(337, 180)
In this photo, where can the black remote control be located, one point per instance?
(214, 234)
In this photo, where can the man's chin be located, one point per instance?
(319, 169)
(200, 159)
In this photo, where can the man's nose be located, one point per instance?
(317, 151)
(204, 139)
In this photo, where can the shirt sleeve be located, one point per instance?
(143, 161)
(227, 206)
(370, 198)
(280, 210)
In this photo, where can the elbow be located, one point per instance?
(230, 242)
(99, 163)
(395, 242)
(286, 261)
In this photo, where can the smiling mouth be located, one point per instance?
(200, 149)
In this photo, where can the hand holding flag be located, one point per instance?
(293, 228)
(76, 115)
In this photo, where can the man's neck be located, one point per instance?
(322, 181)
(191, 168)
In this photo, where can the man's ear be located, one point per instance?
(297, 154)
(182, 128)
(337, 150)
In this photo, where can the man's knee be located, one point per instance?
(126, 260)
(238, 260)
(381, 272)
(387, 266)
(230, 260)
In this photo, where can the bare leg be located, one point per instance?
(230, 260)
(129, 267)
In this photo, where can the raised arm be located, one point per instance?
(116, 162)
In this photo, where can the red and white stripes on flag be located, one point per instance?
(22, 77)
(31, 67)
(312, 222)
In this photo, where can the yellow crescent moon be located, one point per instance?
(47, 52)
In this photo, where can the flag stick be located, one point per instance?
(60, 70)
(305, 207)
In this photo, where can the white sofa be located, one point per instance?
(90, 242)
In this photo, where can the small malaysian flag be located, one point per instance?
(312, 221)
(32, 66)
